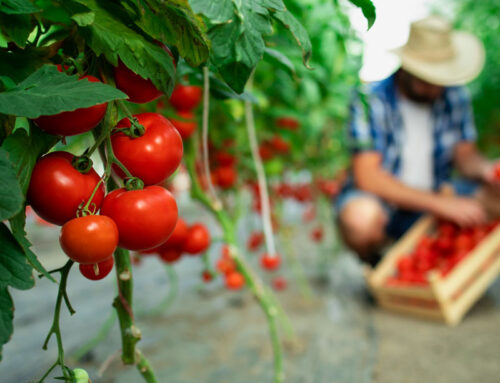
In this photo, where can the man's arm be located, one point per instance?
(370, 176)
(471, 163)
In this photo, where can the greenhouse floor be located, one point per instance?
(211, 335)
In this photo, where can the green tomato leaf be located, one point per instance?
(18, 7)
(279, 59)
(6, 317)
(23, 151)
(16, 28)
(174, 23)
(110, 37)
(14, 269)
(217, 11)
(47, 92)
(368, 10)
(17, 226)
(11, 196)
(20, 64)
(298, 32)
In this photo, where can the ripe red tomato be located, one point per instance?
(270, 263)
(225, 265)
(145, 218)
(89, 239)
(170, 255)
(279, 144)
(138, 89)
(179, 235)
(185, 128)
(317, 234)
(207, 276)
(234, 280)
(289, 123)
(255, 240)
(266, 152)
(225, 176)
(186, 97)
(104, 268)
(279, 283)
(198, 239)
(224, 158)
(497, 171)
(152, 157)
(74, 122)
(57, 189)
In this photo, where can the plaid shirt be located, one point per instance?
(379, 126)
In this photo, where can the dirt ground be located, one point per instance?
(211, 335)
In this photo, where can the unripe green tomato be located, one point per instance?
(273, 167)
(80, 376)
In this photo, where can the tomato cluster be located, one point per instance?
(255, 241)
(184, 99)
(233, 278)
(272, 147)
(65, 190)
(440, 252)
(270, 262)
(193, 240)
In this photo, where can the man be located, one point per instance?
(408, 134)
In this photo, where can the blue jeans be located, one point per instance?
(400, 220)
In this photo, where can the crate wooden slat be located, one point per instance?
(445, 298)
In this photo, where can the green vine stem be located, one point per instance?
(262, 294)
(55, 329)
(130, 334)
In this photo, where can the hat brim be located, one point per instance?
(465, 65)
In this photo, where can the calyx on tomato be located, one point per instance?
(152, 157)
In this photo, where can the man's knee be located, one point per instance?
(362, 224)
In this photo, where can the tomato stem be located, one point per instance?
(55, 329)
(266, 300)
(82, 163)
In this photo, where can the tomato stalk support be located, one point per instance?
(259, 290)
(261, 176)
(55, 328)
(205, 119)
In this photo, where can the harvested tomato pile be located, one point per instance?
(441, 251)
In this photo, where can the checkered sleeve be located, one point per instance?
(364, 131)
(462, 115)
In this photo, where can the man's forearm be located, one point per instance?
(470, 162)
(387, 187)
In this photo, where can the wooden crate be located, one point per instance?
(445, 298)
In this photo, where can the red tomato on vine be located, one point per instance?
(73, 122)
(234, 280)
(270, 263)
(57, 189)
(170, 255)
(90, 239)
(145, 218)
(186, 97)
(185, 128)
(155, 155)
(138, 89)
(198, 239)
(103, 268)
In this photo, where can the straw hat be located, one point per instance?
(437, 54)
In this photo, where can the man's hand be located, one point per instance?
(465, 212)
(491, 175)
